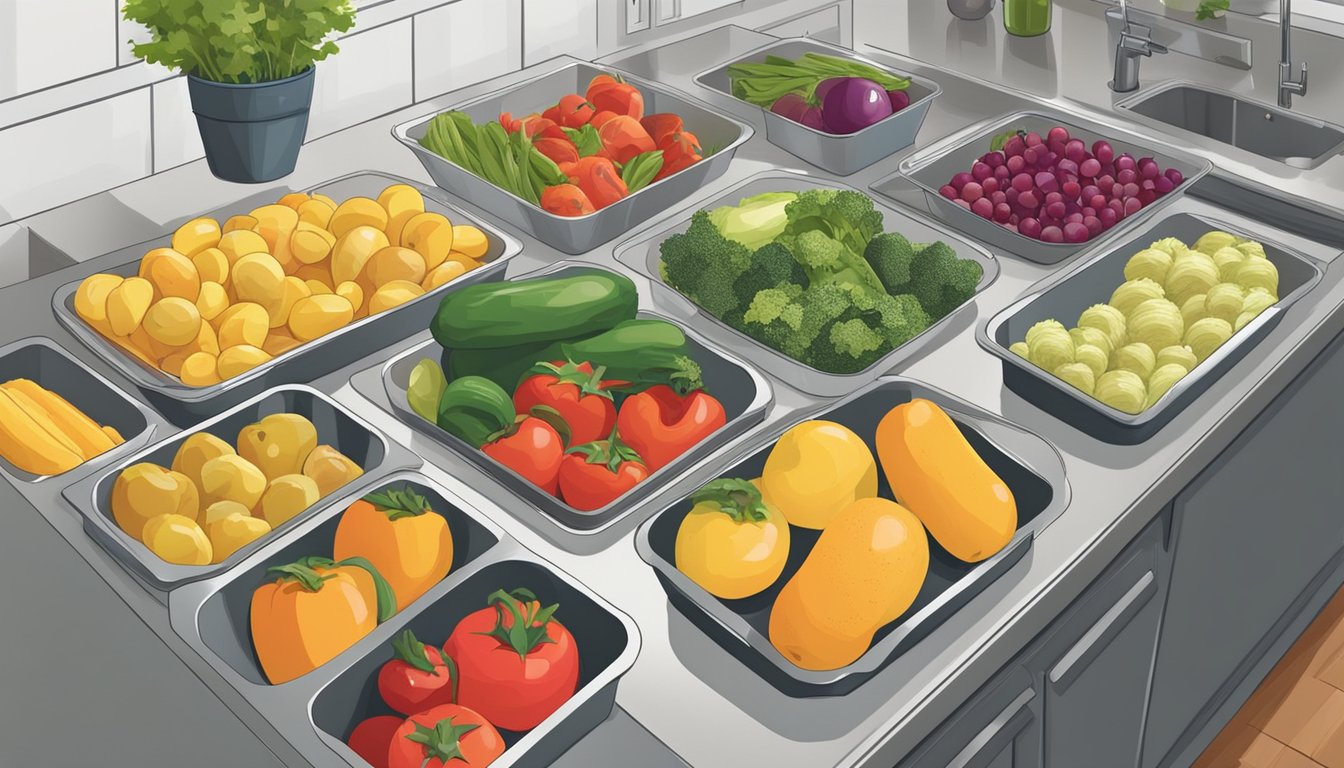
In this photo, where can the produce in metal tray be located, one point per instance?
(225, 298)
(1179, 304)
(1055, 189)
(42, 433)
(556, 379)
(507, 666)
(216, 499)
(869, 563)
(812, 275)
(826, 93)
(581, 155)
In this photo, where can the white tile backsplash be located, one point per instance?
(176, 138)
(466, 42)
(128, 31)
(555, 27)
(45, 42)
(71, 154)
(370, 76)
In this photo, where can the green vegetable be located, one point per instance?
(475, 409)
(639, 171)
(244, 41)
(537, 310)
(1211, 9)
(771, 266)
(940, 280)
(828, 231)
(890, 255)
(703, 264)
(643, 353)
(509, 161)
(585, 140)
(755, 220)
(764, 83)
(425, 389)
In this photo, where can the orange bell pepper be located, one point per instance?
(599, 181)
(566, 200)
(314, 610)
(407, 542)
(623, 137)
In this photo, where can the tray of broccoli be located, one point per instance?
(832, 287)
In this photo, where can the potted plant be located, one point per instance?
(249, 67)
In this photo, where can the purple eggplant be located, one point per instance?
(853, 104)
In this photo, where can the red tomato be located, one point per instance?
(601, 118)
(596, 474)
(576, 393)
(516, 680)
(534, 450)
(372, 738)
(559, 150)
(447, 735)
(662, 126)
(662, 425)
(575, 111)
(611, 95)
(417, 678)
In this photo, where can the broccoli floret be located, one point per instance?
(940, 280)
(890, 256)
(702, 264)
(845, 215)
(899, 319)
(827, 260)
(845, 346)
(772, 265)
(775, 318)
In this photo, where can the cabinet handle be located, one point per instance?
(1100, 635)
(1003, 723)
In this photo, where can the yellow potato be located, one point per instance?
(222, 509)
(320, 272)
(231, 478)
(171, 273)
(242, 324)
(233, 531)
(292, 290)
(357, 212)
(258, 278)
(213, 300)
(240, 242)
(195, 451)
(351, 292)
(430, 235)
(199, 370)
(241, 221)
(132, 349)
(195, 236)
(394, 294)
(279, 342)
(394, 263)
(127, 304)
(317, 287)
(155, 350)
(239, 359)
(212, 266)
(275, 224)
(466, 261)
(316, 212)
(145, 490)
(173, 321)
(442, 274)
(91, 299)
(353, 250)
(330, 469)
(402, 202)
(310, 244)
(319, 315)
(325, 199)
(287, 496)
(178, 539)
(470, 241)
(293, 200)
(205, 342)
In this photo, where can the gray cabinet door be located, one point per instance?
(999, 728)
(1252, 532)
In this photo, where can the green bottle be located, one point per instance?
(1026, 18)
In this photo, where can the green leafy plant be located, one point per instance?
(1211, 9)
(239, 41)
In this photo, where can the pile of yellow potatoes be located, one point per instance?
(224, 299)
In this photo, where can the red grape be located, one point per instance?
(1131, 190)
(1054, 197)
(1097, 201)
(1031, 156)
(1022, 182)
(1147, 196)
(1071, 189)
(1103, 152)
(998, 196)
(1011, 227)
(1033, 139)
(1147, 184)
(1076, 232)
(1174, 176)
(1125, 162)
(1148, 169)
(1028, 200)
(990, 185)
(1089, 211)
(1010, 195)
(1076, 150)
(1162, 185)
(1067, 166)
(981, 171)
(982, 207)
(1127, 176)
(1002, 212)
(1059, 133)
(1002, 173)
(1056, 210)
(948, 191)
(963, 204)
(1029, 227)
(1016, 164)
(961, 180)
(1090, 167)
(993, 159)
(972, 192)
(1093, 224)
(1108, 217)
(1090, 191)
(1047, 181)
(1074, 218)
(1014, 146)
(1052, 234)
(1132, 206)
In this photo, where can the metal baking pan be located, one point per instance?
(744, 393)
(184, 405)
(336, 426)
(839, 154)
(1092, 283)
(41, 360)
(1029, 465)
(577, 234)
(642, 254)
(935, 165)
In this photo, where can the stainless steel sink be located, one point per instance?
(1266, 130)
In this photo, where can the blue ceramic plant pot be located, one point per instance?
(252, 131)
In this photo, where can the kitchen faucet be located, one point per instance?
(1131, 47)
(1287, 85)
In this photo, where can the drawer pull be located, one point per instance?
(1103, 632)
(990, 736)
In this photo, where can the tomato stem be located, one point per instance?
(397, 504)
(409, 649)
(530, 621)
(442, 742)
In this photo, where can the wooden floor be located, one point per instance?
(1295, 719)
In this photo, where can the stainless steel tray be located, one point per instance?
(933, 166)
(316, 712)
(336, 426)
(1091, 283)
(839, 154)
(41, 360)
(185, 405)
(642, 254)
(744, 393)
(582, 233)
(1030, 466)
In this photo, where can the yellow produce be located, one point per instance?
(274, 224)
(1171, 246)
(1050, 348)
(195, 451)
(431, 235)
(112, 433)
(171, 274)
(1091, 336)
(291, 290)
(91, 300)
(865, 570)
(315, 212)
(127, 304)
(211, 266)
(1122, 390)
(1138, 358)
(311, 244)
(131, 348)
(1228, 260)
(177, 539)
(1108, 320)
(232, 532)
(357, 212)
(200, 369)
(1207, 335)
(29, 446)
(173, 321)
(238, 360)
(85, 433)
(316, 316)
(1132, 293)
(278, 444)
(259, 278)
(353, 293)
(442, 275)
(231, 478)
(241, 242)
(1150, 263)
(1176, 355)
(1252, 249)
(293, 200)
(1078, 375)
(212, 301)
(330, 469)
(241, 221)
(220, 510)
(1162, 380)
(393, 294)
(318, 287)
(1092, 357)
(278, 343)
(1042, 328)
(470, 241)
(287, 496)
(1020, 349)
(1258, 300)
(1194, 309)
(466, 261)
(1224, 300)
(1191, 275)
(1259, 273)
(1157, 323)
(245, 323)
(732, 543)
(353, 250)
(816, 469)
(936, 474)
(195, 236)
(394, 263)
(401, 202)
(144, 491)
(1211, 242)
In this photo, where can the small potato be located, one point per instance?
(287, 496)
(212, 265)
(155, 350)
(212, 300)
(242, 324)
(177, 539)
(173, 321)
(195, 236)
(310, 244)
(470, 240)
(319, 272)
(317, 287)
(442, 274)
(199, 370)
(316, 212)
(91, 300)
(171, 273)
(279, 342)
(351, 292)
(402, 202)
(233, 531)
(127, 304)
(466, 261)
(430, 235)
(131, 348)
(394, 263)
(240, 359)
(357, 212)
(325, 199)
(394, 294)
(275, 224)
(258, 278)
(241, 221)
(241, 242)
(319, 315)
(293, 200)
(292, 290)
(353, 250)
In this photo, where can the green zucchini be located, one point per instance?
(475, 409)
(489, 315)
(642, 352)
(503, 365)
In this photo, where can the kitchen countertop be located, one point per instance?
(689, 693)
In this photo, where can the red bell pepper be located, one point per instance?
(595, 474)
(662, 425)
(576, 392)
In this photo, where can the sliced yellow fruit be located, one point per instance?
(241, 221)
(239, 243)
(394, 294)
(245, 323)
(353, 250)
(84, 432)
(29, 446)
(172, 273)
(199, 369)
(430, 235)
(91, 299)
(173, 321)
(211, 266)
(402, 202)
